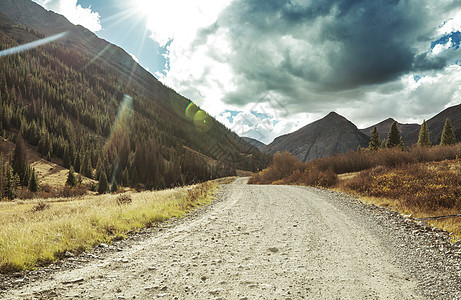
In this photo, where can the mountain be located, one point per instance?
(254, 142)
(384, 126)
(328, 136)
(436, 123)
(82, 101)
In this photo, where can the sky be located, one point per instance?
(268, 67)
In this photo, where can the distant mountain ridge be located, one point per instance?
(328, 136)
(335, 134)
(254, 142)
(436, 123)
(384, 126)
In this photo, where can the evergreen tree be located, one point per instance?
(19, 157)
(87, 169)
(77, 163)
(114, 187)
(71, 180)
(33, 182)
(1, 175)
(66, 161)
(448, 137)
(424, 135)
(72, 153)
(26, 176)
(393, 138)
(375, 142)
(103, 186)
(401, 144)
(10, 183)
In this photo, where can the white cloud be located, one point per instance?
(441, 47)
(134, 57)
(452, 25)
(74, 12)
(263, 125)
(179, 20)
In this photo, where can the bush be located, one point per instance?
(68, 191)
(417, 186)
(286, 168)
(355, 161)
(124, 199)
(41, 205)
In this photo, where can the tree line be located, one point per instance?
(394, 139)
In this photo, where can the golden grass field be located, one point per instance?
(38, 231)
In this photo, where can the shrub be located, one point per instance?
(41, 205)
(286, 168)
(68, 191)
(124, 199)
(416, 186)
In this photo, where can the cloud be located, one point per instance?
(264, 128)
(134, 57)
(74, 12)
(357, 57)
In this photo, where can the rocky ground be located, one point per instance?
(261, 242)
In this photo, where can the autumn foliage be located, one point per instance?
(426, 187)
(286, 168)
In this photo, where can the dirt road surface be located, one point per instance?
(257, 242)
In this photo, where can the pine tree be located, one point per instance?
(114, 187)
(87, 169)
(375, 142)
(401, 144)
(71, 180)
(33, 182)
(1, 175)
(103, 186)
(10, 183)
(66, 161)
(424, 136)
(19, 157)
(393, 138)
(77, 163)
(448, 137)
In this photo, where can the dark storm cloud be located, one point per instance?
(306, 48)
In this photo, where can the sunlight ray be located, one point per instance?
(32, 45)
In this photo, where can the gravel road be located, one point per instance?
(269, 242)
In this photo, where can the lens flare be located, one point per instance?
(191, 109)
(202, 121)
(33, 44)
(119, 132)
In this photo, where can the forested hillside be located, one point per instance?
(92, 115)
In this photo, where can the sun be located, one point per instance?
(143, 7)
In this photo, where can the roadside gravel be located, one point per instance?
(262, 242)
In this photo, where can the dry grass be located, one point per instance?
(39, 231)
(423, 190)
(355, 161)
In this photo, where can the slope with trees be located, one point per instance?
(94, 116)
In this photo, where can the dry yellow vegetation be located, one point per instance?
(37, 231)
(422, 190)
